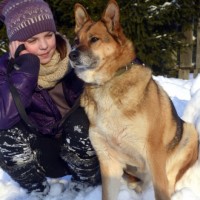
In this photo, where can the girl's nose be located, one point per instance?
(43, 44)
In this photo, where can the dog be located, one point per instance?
(134, 127)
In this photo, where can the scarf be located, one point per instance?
(51, 73)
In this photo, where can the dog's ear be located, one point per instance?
(81, 16)
(111, 16)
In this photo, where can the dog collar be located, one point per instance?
(125, 68)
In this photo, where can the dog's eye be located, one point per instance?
(94, 39)
(76, 41)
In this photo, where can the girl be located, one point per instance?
(43, 131)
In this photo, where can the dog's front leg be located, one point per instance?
(111, 173)
(111, 168)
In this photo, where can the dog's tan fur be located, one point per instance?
(134, 127)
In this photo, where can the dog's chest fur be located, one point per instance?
(113, 111)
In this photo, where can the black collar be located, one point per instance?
(125, 68)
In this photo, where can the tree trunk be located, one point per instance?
(186, 53)
(198, 46)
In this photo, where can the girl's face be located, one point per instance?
(42, 45)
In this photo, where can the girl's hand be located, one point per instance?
(13, 47)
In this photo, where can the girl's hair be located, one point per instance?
(61, 45)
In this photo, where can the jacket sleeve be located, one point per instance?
(24, 77)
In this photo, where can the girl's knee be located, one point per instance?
(15, 147)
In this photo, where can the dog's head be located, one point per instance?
(100, 47)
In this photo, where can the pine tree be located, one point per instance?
(155, 26)
(3, 39)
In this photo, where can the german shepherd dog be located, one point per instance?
(134, 127)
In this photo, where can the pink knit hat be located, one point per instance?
(26, 18)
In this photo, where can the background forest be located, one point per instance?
(157, 27)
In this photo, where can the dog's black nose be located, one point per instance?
(74, 55)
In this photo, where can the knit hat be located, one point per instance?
(26, 18)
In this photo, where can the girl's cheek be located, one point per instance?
(31, 49)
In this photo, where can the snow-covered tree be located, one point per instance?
(156, 27)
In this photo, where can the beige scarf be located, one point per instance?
(51, 73)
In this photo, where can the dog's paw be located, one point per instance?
(133, 182)
(135, 186)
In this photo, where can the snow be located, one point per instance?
(185, 95)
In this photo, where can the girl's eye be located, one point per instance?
(31, 41)
(94, 39)
(49, 35)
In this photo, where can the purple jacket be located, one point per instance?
(38, 103)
